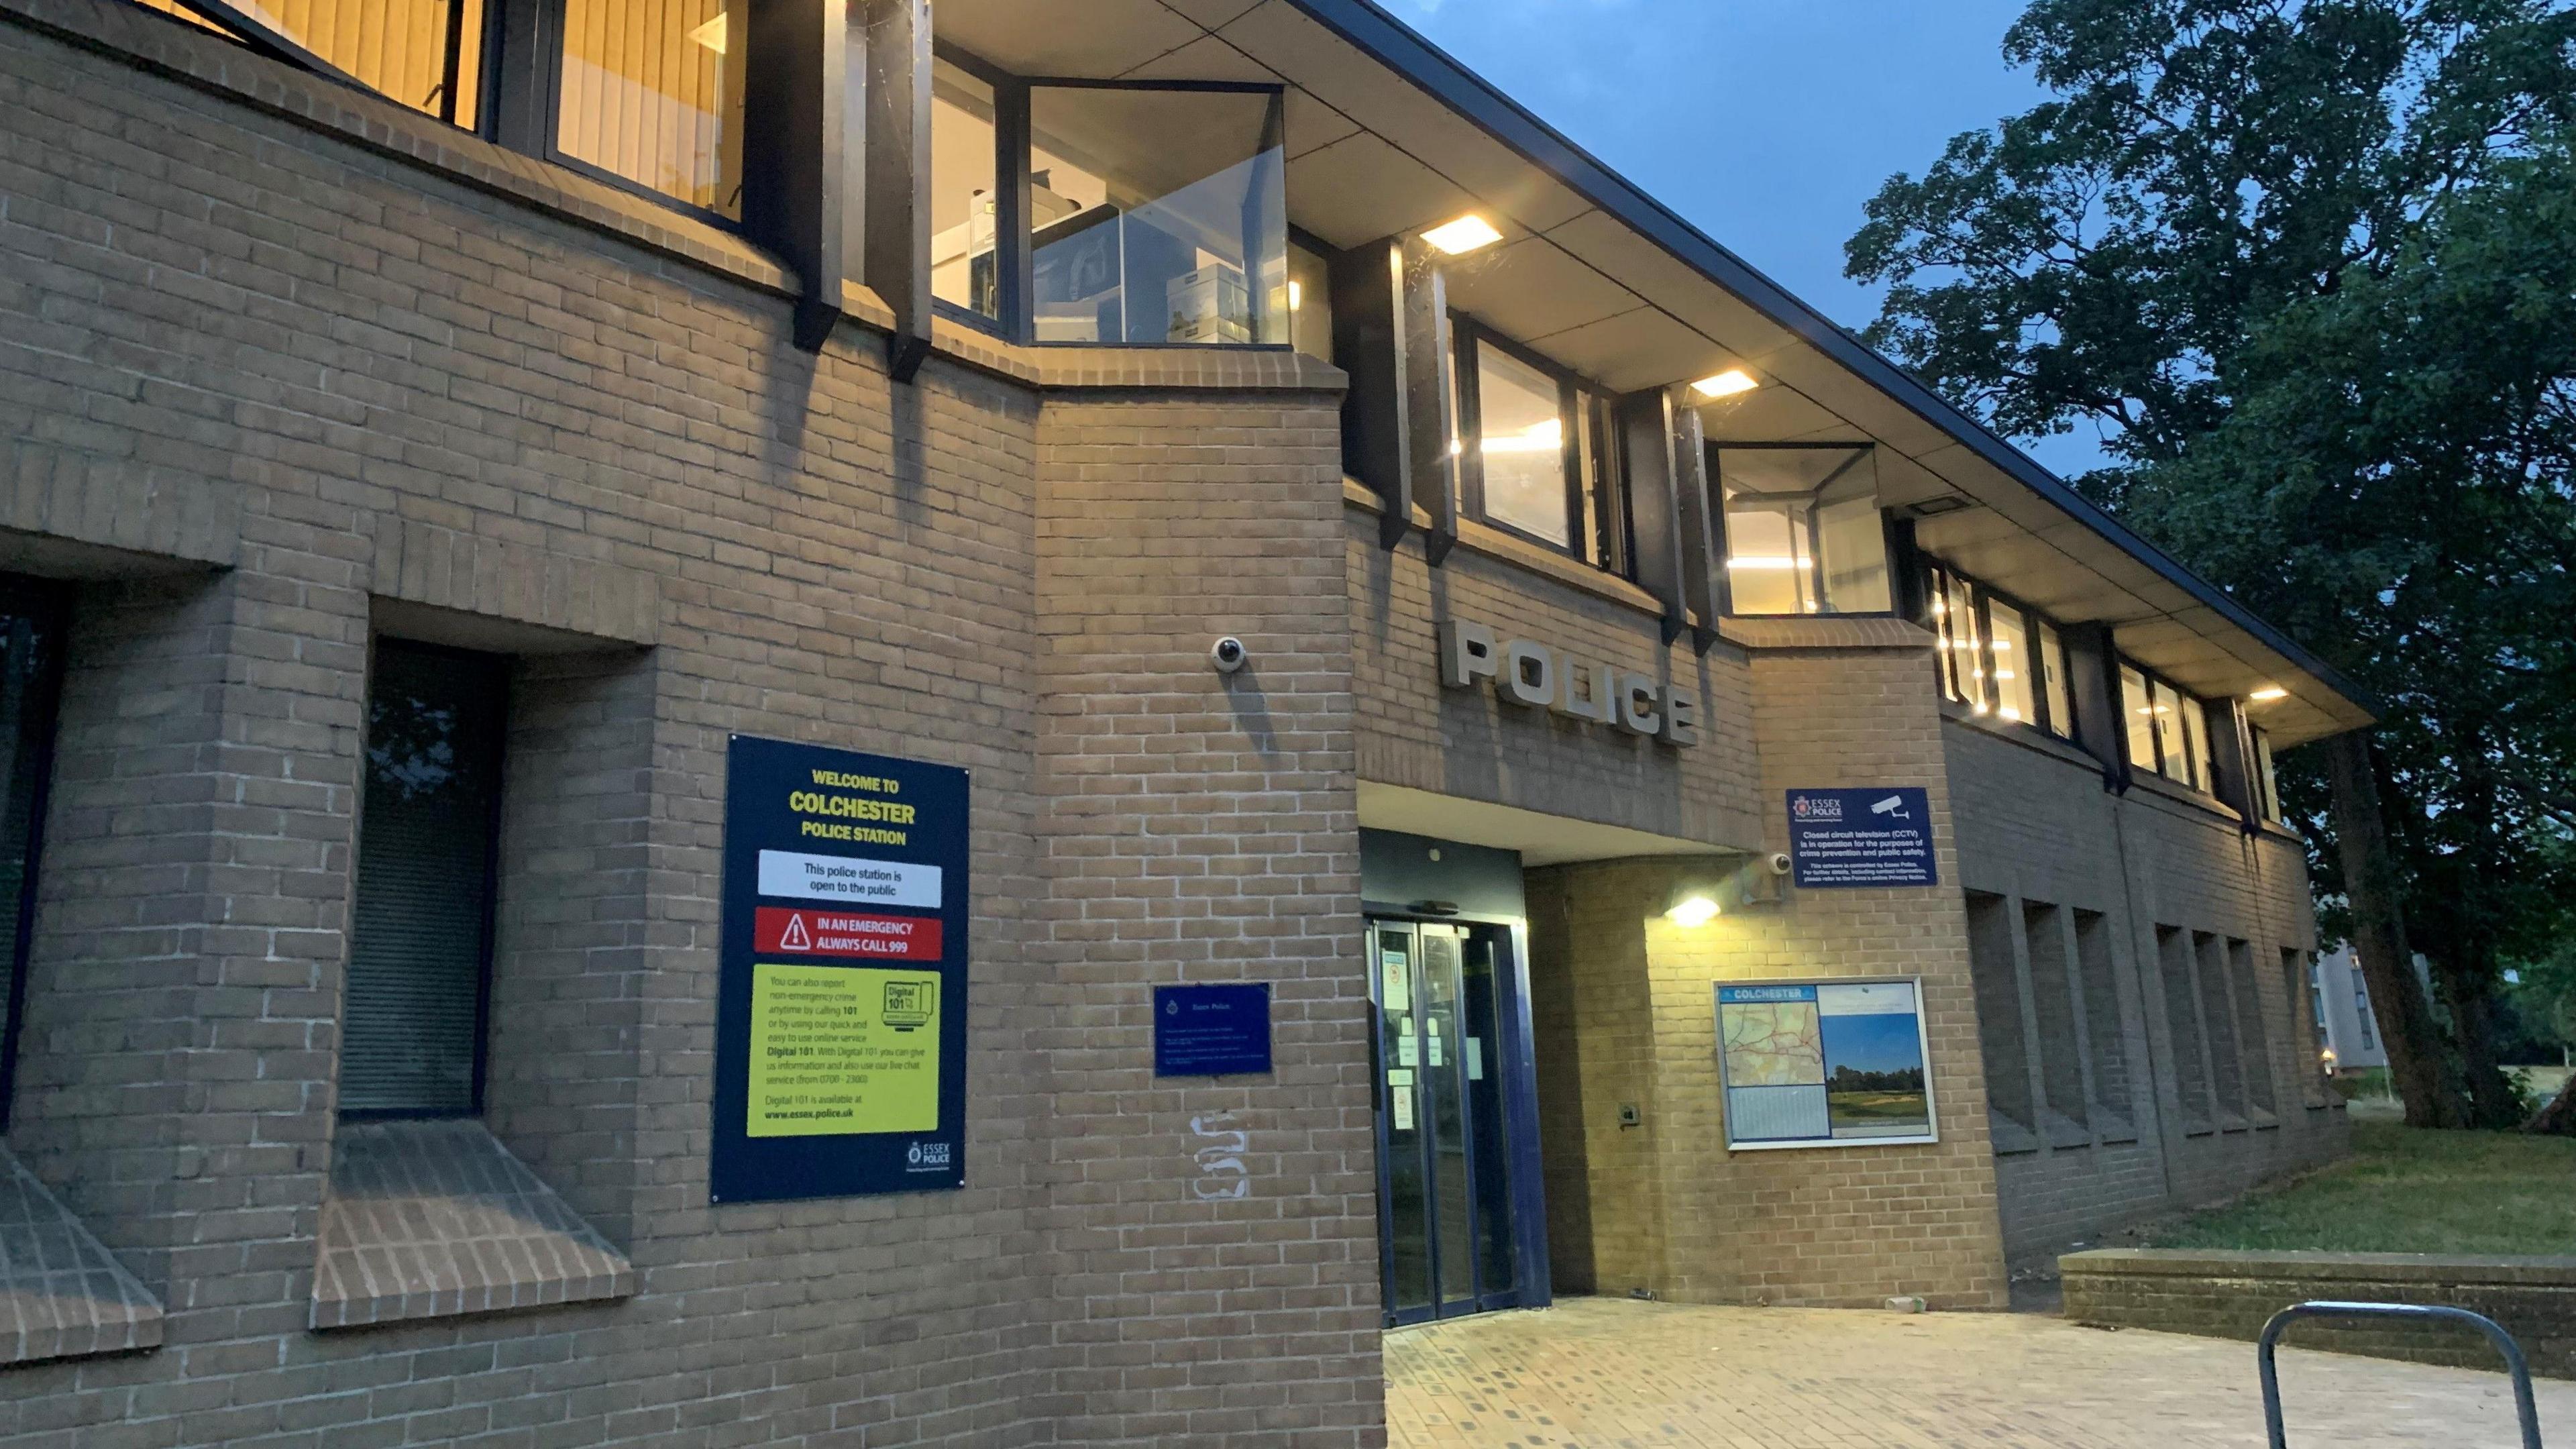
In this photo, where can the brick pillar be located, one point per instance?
(179, 1043)
(1195, 828)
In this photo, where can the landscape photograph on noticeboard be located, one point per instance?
(1823, 1063)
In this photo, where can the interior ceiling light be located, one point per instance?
(2268, 693)
(1466, 234)
(1726, 384)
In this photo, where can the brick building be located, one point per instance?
(1711, 820)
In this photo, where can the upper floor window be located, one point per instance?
(2267, 778)
(2168, 730)
(1537, 451)
(1804, 534)
(1999, 658)
(652, 92)
(427, 54)
(1118, 214)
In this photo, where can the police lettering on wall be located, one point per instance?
(841, 1004)
(1535, 676)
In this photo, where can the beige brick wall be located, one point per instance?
(367, 369)
(1200, 827)
(1671, 1210)
(2036, 827)
(1463, 742)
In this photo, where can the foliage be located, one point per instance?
(2310, 267)
(2407, 1190)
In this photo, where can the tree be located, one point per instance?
(2287, 257)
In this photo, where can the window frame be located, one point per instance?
(1590, 455)
(51, 606)
(2035, 623)
(2266, 777)
(501, 665)
(548, 57)
(2194, 767)
(1014, 255)
(1889, 550)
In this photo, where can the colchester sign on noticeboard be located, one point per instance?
(841, 1001)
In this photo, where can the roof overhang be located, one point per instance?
(1609, 282)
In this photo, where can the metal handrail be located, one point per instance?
(2524, 1409)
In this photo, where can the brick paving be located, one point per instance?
(1608, 1374)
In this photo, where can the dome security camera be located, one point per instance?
(1229, 655)
(1780, 863)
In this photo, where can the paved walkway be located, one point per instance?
(1608, 1374)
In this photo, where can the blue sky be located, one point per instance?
(1766, 122)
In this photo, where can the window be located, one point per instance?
(2015, 698)
(1520, 448)
(421, 928)
(2364, 1027)
(1998, 658)
(2057, 681)
(652, 93)
(1959, 614)
(1539, 451)
(2316, 998)
(1310, 301)
(30, 675)
(2139, 709)
(2168, 729)
(964, 192)
(2267, 778)
(1157, 215)
(427, 54)
(1803, 530)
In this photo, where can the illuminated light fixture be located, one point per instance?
(1770, 563)
(1546, 437)
(2268, 693)
(1693, 911)
(711, 35)
(1296, 296)
(1467, 234)
(1726, 384)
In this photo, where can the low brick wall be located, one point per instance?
(2232, 1295)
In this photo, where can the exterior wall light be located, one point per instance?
(1467, 234)
(1692, 911)
(2268, 693)
(1726, 384)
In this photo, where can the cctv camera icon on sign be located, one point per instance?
(1893, 807)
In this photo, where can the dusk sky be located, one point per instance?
(1765, 122)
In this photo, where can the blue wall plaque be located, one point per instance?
(1211, 1031)
(1854, 839)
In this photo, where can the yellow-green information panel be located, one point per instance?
(842, 1049)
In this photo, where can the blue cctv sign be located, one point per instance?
(1861, 839)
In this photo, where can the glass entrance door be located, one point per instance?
(1449, 1226)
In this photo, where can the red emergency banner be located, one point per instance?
(777, 930)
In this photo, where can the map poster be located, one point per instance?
(841, 994)
(1825, 1063)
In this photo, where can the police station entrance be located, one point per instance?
(1451, 1223)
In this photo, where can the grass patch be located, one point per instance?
(2408, 1191)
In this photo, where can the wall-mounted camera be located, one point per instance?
(1780, 863)
(1228, 655)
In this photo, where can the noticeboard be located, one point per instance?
(1823, 1064)
(1856, 839)
(841, 1004)
(1211, 1031)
